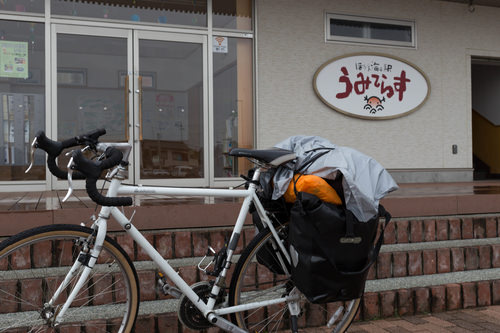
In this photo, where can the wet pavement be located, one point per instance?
(446, 189)
(484, 320)
(461, 321)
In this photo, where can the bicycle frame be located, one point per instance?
(213, 315)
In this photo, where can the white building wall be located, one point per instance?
(291, 46)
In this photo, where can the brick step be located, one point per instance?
(383, 297)
(393, 266)
(463, 246)
(181, 243)
(433, 298)
(442, 228)
(413, 259)
(425, 265)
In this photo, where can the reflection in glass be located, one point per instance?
(90, 93)
(90, 86)
(390, 32)
(22, 98)
(232, 14)
(20, 6)
(171, 109)
(372, 30)
(348, 28)
(233, 105)
(179, 12)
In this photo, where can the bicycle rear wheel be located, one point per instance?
(34, 263)
(257, 278)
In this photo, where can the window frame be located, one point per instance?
(329, 38)
(53, 22)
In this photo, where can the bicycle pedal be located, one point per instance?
(166, 288)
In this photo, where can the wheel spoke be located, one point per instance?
(257, 278)
(37, 263)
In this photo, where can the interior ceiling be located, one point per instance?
(491, 3)
(225, 7)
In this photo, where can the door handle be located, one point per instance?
(139, 91)
(126, 107)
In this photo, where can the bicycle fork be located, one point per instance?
(87, 258)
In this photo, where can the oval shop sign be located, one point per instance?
(371, 86)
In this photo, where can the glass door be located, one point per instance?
(92, 74)
(146, 88)
(170, 129)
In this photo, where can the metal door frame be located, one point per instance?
(171, 37)
(133, 36)
(85, 31)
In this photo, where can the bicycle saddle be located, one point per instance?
(274, 157)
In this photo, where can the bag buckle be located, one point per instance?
(350, 240)
(349, 237)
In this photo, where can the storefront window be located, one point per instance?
(179, 12)
(151, 89)
(90, 89)
(233, 102)
(22, 98)
(30, 6)
(171, 110)
(232, 14)
(91, 73)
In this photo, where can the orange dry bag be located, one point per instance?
(314, 185)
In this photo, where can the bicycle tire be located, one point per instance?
(252, 280)
(32, 264)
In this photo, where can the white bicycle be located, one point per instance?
(58, 276)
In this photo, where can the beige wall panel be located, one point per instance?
(291, 46)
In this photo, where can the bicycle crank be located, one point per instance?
(189, 315)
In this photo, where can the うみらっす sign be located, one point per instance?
(371, 86)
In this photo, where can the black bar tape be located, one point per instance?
(98, 198)
(69, 143)
(113, 158)
(58, 172)
(92, 170)
(51, 147)
(90, 138)
(53, 150)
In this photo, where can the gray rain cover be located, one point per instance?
(365, 181)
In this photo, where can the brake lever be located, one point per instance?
(70, 178)
(70, 166)
(32, 155)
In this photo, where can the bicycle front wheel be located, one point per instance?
(35, 262)
(258, 277)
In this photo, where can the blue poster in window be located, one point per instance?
(14, 59)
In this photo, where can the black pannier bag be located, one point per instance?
(331, 250)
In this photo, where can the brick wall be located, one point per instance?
(435, 260)
(432, 260)
(390, 264)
